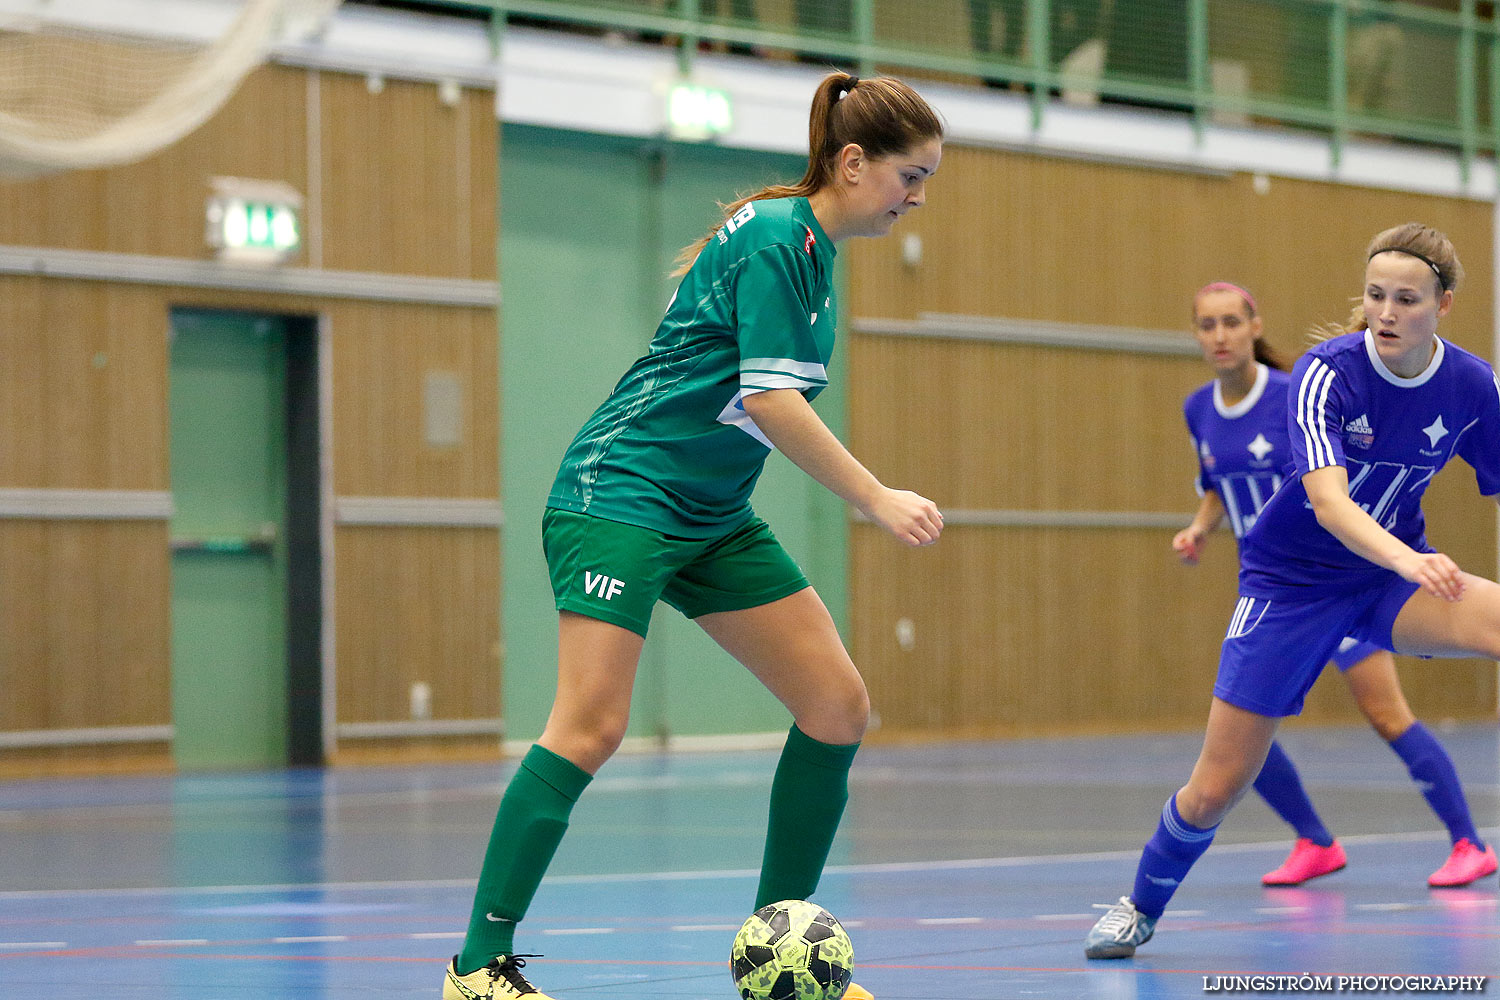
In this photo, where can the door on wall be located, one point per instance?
(235, 459)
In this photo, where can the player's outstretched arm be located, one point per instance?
(1188, 543)
(788, 420)
(1328, 491)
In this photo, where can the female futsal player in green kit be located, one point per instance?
(652, 503)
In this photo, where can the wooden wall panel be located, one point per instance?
(1032, 629)
(84, 640)
(417, 604)
(983, 425)
(1008, 234)
(1026, 630)
(408, 183)
(382, 356)
(1044, 630)
(401, 184)
(83, 389)
(86, 759)
(481, 206)
(156, 206)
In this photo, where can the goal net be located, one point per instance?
(75, 94)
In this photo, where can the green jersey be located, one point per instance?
(672, 448)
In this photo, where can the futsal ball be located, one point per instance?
(792, 950)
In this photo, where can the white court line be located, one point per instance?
(964, 864)
(1487, 901)
(39, 945)
(693, 928)
(950, 920)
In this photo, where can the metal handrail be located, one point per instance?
(1474, 128)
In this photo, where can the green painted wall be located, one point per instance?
(589, 226)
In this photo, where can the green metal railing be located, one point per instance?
(1339, 67)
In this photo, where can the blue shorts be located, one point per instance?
(1351, 651)
(1275, 650)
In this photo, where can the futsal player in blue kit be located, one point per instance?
(1238, 427)
(1340, 549)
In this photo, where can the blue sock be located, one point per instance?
(1281, 786)
(1432, 769)
(1169, 854)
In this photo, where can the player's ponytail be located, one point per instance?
(1414, 239)
(881, 115)
(1270, 356)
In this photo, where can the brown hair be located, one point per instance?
(1264, 352)
(1416, 240)
(882, 115)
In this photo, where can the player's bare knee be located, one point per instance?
(1205, 804)
(842, 715)
(607, 737)
(847, 721)
(587, 742)
(858, 713)
(1389, 721)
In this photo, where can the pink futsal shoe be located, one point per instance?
(1307, 861)
(1466, 864)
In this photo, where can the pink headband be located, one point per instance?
(1226, 286)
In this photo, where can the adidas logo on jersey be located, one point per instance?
(1360, 433)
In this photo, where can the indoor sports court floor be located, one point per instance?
(964, 872)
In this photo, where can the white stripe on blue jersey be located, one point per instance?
(1312, 401)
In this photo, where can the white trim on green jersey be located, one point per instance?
(760, 374)
(735, 415)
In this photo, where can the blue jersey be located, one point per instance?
(1243, 450)
(1392, 434)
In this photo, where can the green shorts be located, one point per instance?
(616, 572)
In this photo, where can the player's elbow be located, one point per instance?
(1327, 515)
(1328, 505)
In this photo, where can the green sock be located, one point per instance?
(532, 819)
(807, 802)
